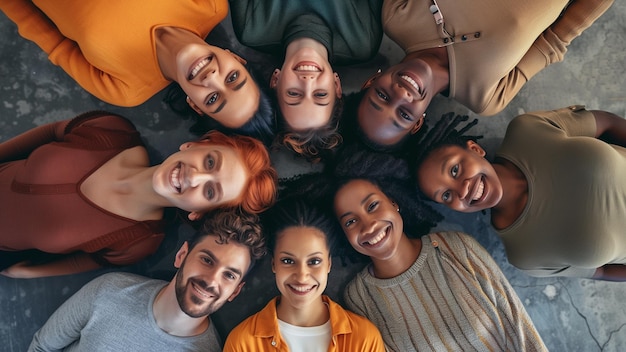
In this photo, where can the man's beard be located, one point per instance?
(181, 289)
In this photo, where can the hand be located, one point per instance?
(21, 270)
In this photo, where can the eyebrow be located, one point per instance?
(362, 202)
(444, 166)
(217, 261)
(308, 255)
(299, 102)
(219, 158)
(376, 106)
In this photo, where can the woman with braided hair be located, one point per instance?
(557, 199)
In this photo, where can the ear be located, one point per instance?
(237, 57)
(194, 215)
(338, 90)
(476, 148)
(194, 106)
(273, 267)
(418, 125)
(330, 263)
(274, 78)
(371, 80)
(237, 291)
(181, 255)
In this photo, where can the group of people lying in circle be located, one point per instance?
(99, 201)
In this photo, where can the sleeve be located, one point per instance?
(568, 271)
(550, 47)
(239, 338)
(65, 325)
(519, 330)
(35, 26)
(21, 146)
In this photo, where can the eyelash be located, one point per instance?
(212, 99)
(233, 77)
(382, 95)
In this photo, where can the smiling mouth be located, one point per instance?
(379, 237)
(199, 66)
(203, 293)
(413, 83)
(301, 289)
(175, 178)
(307, 67)
(479, 190)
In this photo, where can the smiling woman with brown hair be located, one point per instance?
(84, 189)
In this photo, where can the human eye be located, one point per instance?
(207, 260)
(349, 222)
(321, 94)
(293, 93)
(210, 192)
(287, 261)
(232, 77)
(382, 95)
(372, 206)
(210, 162)
(315, 261)
(405, 116)
(455, 170)
(230, 276)
(446, 196)
(212, 98)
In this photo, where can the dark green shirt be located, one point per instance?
(350, 29)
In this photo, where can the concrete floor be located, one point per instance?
(570, 314)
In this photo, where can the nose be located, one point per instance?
(197, 177)
(403, 93)
(210, 77)
(302, 272)
(464, 189)
(368, 226)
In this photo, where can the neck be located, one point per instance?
(169, 42)
(171, 319)
(138, 191)
(406, 254)
(315, 314)
(514, 194)
(306, 43)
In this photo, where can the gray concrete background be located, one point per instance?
(570, 314)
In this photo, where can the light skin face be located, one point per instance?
(201, 177)
(217, 84)
(301, 264)
(460, 178)
(395, 102)
(307, 89)
(370, 220)
(209, 275)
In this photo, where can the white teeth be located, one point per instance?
(308, 68)
(175, 179)
(411, 82)
(480, 190)
(301, 288)
(378, 238)
(200, 291)
(199, 67)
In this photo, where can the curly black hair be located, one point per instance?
(442, 134)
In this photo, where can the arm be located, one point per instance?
(550, 47)
(35, 26)
(65, 325)
(70, 264)
(610, 128)
(21, 146)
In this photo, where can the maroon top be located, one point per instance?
(41, 205)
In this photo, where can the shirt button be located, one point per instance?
(274, 343)
(435, 244)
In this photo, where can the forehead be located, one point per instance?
(293, 239)
(352, 193)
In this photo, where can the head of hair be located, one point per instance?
(314, 144)
(234, 226)
(260, 191)
(261, 125)
(296, 212)
(443, 133)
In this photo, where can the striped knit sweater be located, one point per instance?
(453, 298)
